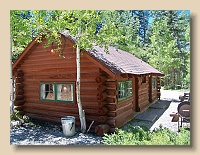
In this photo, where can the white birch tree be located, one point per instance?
(88, 27)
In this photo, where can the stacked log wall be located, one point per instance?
(125, 108)
(143, 94)
(119, 112)
(44, 66)
(106, 94)
(19, 92)
(155, 91)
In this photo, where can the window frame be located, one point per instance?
(55, 84)
(126, 89)
(41, 98)
(154, 82)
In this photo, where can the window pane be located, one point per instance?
(129, 88)
(124, 89)
(153, 83)
(121, 89)
(47, 91)
(65, 92)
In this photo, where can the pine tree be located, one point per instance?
(170, 37)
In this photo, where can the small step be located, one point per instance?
(146, 117)
(158, 106)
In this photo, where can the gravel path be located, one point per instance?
(31, 134)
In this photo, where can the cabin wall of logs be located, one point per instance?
(143, 93)
(44, 66)
(99, 95)
(155, 92)
(19, 92)
(117, 113)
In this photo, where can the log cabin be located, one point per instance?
(114, 85)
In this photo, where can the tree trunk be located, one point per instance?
(172, 77)
(11, 83)
(81, 111)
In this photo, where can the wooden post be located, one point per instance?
(136, 94)
(150, 88)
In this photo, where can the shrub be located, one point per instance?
(137, 135)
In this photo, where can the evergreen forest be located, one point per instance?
(159, 37)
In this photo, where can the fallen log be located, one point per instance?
(101, 129)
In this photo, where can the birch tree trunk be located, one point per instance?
(81, 111)
(11, 82)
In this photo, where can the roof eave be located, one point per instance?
(22, 55)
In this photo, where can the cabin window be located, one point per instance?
(65, 92)
(153, 83)
(129, 88)
(124, 89)
(58, 92)
(47, 91)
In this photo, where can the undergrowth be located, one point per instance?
(137, 135)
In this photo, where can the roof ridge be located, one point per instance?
(118, 61)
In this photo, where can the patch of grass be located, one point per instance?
(137, 135)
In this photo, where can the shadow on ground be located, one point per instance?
(151, 115)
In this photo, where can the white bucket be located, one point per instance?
(68, 125)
